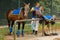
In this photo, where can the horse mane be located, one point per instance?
(22, 10)
(9, 10)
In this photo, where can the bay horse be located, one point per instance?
(22, 15)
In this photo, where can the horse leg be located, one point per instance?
(23, 24)
(48, 30)
(18, 32)
(53, 25)
(8, 23)
(9, 26)
(48, 27)
(12, 22)
(45, 23)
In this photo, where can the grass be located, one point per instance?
(4, 31)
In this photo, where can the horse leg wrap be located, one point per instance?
(22, 32)
(18, 33)
(10, 29)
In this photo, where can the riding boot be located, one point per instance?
(22, 32)
(35, 32)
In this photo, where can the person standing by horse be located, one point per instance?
(36, 13)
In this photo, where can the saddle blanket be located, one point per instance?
(48, 17)
(16, 11)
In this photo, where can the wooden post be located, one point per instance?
(43, 24)
(15, 31)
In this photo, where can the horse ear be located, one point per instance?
(23, 4)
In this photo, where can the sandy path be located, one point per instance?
(34, 37)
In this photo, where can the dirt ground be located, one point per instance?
(35, 37)
(32, 37)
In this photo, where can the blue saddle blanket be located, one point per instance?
(16, 11)
(48, 17)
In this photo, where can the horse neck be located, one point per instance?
(22, 14)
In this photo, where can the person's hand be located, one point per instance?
(32, 10)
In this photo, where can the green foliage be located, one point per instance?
(51, 7)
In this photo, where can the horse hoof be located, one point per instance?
(46, 34)
(18, 35)
(22, 35)
(9, 33)
(54, 34)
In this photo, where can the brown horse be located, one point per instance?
(22, 15)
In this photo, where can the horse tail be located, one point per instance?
(8, 12)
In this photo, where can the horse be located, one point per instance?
(50, 20)
(23, 12)
(44, 20)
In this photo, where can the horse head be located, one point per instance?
(41, 9)
(26, 9)
(54, 17)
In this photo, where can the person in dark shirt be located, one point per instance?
(35, 24)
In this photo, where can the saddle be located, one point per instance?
(16, 11)
(48, 17)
